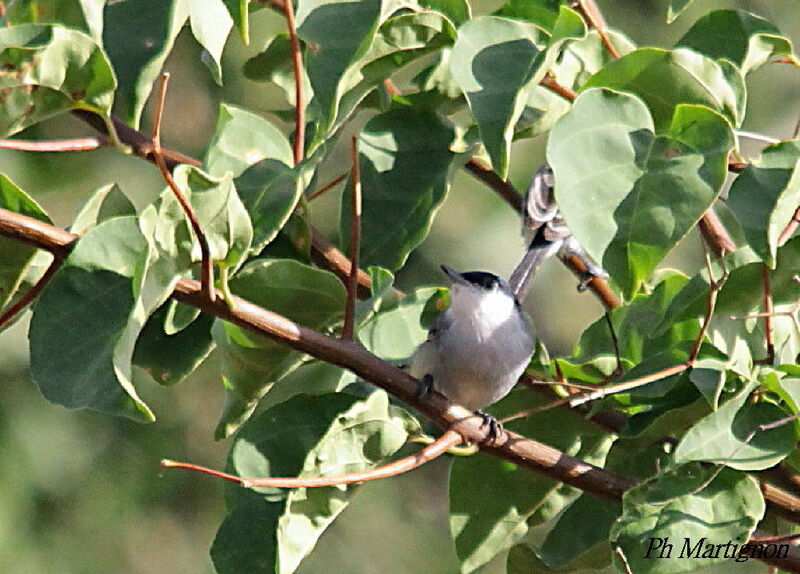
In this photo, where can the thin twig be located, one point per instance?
(31, 293)
(434, 450)
(206, 265)
(504, 189)
(324, 254)
(711, 301)
(355, 245)
(768, 313)
(790, 228)
(297, 70)
(549, 82)
(629, 385)
(327, 186)
(594, 18)
(77, 144)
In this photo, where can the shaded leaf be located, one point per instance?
(765, 196)
(83, 15)
(15, 256)
(138, 36)
(679, 505)
(729, 436)
(404, 160)
(509, 494)
(743, 38)
(251, 364)
(50, 69)
(604, 153)
(105, 290)
(676, 8)
(270, 530)
(495, 61)
(240, 16)
(274, 65)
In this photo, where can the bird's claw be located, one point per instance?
(492, 425)
(424, 387)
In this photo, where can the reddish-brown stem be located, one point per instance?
(549, 82)
(628, 385)
(77, 144)
(711, 301)
(790, 228)
(434, 450)
(206, 265)
(31, 294)
(355, 244)
(594, 18)
(324, 254)
(327, 187)
(297, 70)
(768, 313)
(714, 234)
(504, 189)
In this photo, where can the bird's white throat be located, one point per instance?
(485, 310)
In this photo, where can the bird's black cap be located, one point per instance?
(480, 279)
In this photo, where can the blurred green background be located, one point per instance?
(82, 492)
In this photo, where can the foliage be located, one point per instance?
(648, 146)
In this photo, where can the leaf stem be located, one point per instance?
(434, 450)
(355, 244)
(297, 69)
(206, 265)
(327, 186)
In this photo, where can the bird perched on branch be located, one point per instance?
(480, 344)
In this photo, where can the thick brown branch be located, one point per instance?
(484, 173)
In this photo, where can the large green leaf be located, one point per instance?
(271, 530)
(404, 160)
(15, 256)
(765, 196)
(652, 187)
(49, 69)
(138, 36)
(743, 38)
(692, 77)
(495, 61)
(83, 15)
(319, 24)
(103, 293)
(211, 23)
(106, 202)
(243, 138)
(683, 506)
(274, 65)
(729, 436)
(507, 494)
(251, 364)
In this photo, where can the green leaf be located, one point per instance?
(270, 191)
(270, 530)
(722, 436)
(508, 494)
(15, 256)
(50, 69)
(83, 15)
(251, 364)
(742, 293)
(765, 196)
(694, 79)
(656, 186)
(106, 202)
(104, 291)
(582, 528)
(169, 358)
(743, 38)
(274, 65)
(334, 54)
(394, 334)
(404, 160)
(676, 8)
(240, 16)
(138, 36)
(542, 13)
(457, 11)
(495, 61)
(242, 139)
(221, 214)
(693, 514)
(211, 23)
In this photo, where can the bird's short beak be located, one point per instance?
(454, 276)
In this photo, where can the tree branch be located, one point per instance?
(297, 70)
(355, 246)
(77, 144)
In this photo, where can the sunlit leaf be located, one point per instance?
(211, 23)
(106, 202)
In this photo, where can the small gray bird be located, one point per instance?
(480, 344)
